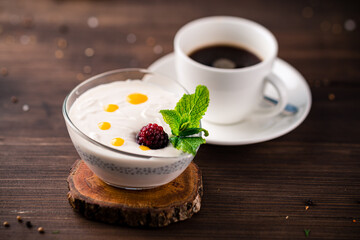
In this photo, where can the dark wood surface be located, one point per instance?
(252, 192)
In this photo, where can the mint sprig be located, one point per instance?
(307, 232)
(184, 120)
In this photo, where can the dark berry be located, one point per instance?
(28, 224)
(309, 202)
(152, 136)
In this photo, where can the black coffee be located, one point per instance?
(224, 56)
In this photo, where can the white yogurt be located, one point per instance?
(88, 111)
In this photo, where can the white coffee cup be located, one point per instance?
(235, 94)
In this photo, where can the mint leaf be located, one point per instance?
(195, 105)
(184, 120)
(184, 104)
(172, 118)
(174, 141)
(192, 131)
(189, 144)
(307, 232)
(184, 126)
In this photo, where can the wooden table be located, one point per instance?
(252, 192)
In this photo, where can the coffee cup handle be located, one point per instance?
(266, 112)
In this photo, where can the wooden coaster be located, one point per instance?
(158, 207)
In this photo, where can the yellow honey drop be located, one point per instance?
(117, 142)
(104, 125)
(111, 107)
(144, 148)
(136, 98)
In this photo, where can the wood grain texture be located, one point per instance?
(249, 190)
(158, 207)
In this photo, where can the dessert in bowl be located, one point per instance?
(105, 113)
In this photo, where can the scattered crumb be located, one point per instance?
(4, 72)
(89, 52)
(158, 49)
(93, 22)
(25, 108)
(131, 38)
(14, 99)
(80, 76)
(6, 224)
(331, 96)
(62, 43)
(19, 218)
(354, 220)
(150, 41)
(306, 207)
(59, 54)
(287, 217)
(87, 69)
(350, 25)
(41, 230)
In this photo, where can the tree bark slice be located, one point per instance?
(158, 207)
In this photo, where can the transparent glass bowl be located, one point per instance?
(119, 168)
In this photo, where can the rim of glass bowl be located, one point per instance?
(99, 144)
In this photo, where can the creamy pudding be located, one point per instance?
(114, 113)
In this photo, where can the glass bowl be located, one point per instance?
(119, 168)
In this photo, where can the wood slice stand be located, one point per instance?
(158, 207)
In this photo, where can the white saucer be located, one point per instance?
(251, 131)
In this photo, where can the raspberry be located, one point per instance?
(152, 136)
